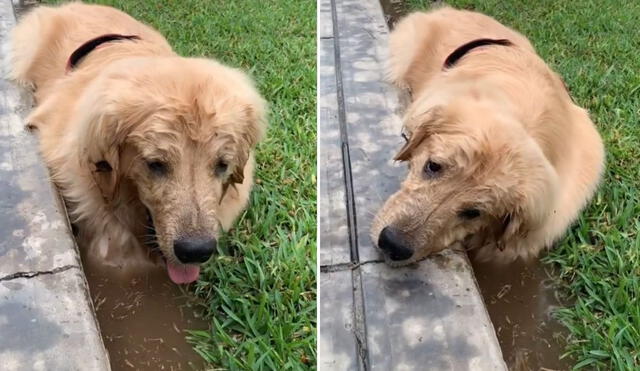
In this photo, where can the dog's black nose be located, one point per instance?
(194, 250)
(391, 242)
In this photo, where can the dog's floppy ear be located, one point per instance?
(421, 128)
(510, 227)
(106, 118)
(100, 153)
(252, 133)
(241, 112)
(413, 140)
(528, 208)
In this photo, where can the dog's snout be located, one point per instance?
(194, 250)
(392, 243)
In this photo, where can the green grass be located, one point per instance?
(595, 46)
(260, 297)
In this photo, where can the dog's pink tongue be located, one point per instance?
(183, 273)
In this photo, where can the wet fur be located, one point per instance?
(513, 143)
(128, 102)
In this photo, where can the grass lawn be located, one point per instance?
(594, 45)
(260, 295)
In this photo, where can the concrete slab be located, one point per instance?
(336, 341)
(46, 316)
(334, 244)
(428, 317)
(325, 29)
(30, 216)
(45, 324)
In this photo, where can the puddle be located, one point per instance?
(143, 319)
(520, 299)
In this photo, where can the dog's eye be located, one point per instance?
(432, 169)
(469, 214)
(157, 167)
(221, 167)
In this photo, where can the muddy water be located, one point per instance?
(520, 299)
(142, 320)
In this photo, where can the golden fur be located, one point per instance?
(131, 103)
(510, 141)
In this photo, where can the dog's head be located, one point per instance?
(179, 132)
(475, 176)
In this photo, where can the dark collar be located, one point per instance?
(86, 48)
(461, 51)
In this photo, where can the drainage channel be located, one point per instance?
(520, 298)
(143, 319)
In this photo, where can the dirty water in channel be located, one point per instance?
(520, 297)
(143, 319)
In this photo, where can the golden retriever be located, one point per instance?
(500, 157)
(151, 151)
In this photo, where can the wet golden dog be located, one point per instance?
(147, 147)
(500, 158)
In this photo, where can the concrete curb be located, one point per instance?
(47, 320)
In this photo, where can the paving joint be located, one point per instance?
(28, 275)
(346, 266)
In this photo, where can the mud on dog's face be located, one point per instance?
(180, 132)
(472, 178)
